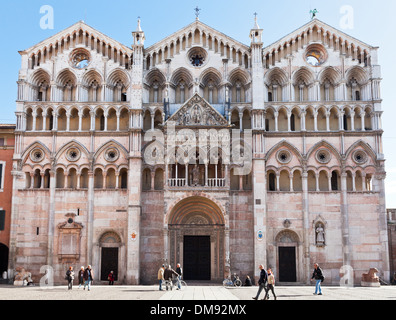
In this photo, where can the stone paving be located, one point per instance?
(192, 292)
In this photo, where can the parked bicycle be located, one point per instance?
(234, 282)
(174, 283)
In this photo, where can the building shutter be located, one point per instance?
(2, 220)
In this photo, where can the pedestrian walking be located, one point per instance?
(262, 281)
(271, 285)
(111, 278)
(88, 277)
(179, 271)
(80, 277)
(168, 274)
(69, 277)
(319, 278)
(248, 281)
(161, 276)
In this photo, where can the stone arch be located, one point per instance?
(288, 255)
(111, 251)
(197, 220)
(185, 208)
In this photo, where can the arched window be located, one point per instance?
(123, 179)
(271, 181)
(334, 181)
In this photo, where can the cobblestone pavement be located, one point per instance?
(192, 292)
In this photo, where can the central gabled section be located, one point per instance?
(197, 112)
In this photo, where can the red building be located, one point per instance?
(7, 142)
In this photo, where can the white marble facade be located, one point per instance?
(93, 186)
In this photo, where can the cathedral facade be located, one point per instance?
(200, 150)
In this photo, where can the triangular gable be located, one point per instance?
(191, 28)
(76, 28)
(292, 39)
(197, 112)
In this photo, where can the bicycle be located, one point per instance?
(174, 283)
(236, 282)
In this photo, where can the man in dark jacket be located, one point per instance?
(262, 281)
(318, 276)
(88, 277)
(168, 274)
(179, 272)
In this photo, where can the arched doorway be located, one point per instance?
(288, 250)
(110, 244)
(196, 239)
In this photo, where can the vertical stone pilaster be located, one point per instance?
(260, 208)
(134, 214)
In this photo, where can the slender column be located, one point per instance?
(51, 218)
(91, 207)
(305, 208)
(80, 115)
(353, 181)
(345, 220)
(327, 120)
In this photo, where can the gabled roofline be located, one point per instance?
(195, 24)
(79, 24)
(325, 26)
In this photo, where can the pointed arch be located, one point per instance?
(324, 144)
(31, 147)
(284, 144)
(303, 74)
(182, 74)
(111, 143)
(118, 76)
(276, 75)
(70, 144)
(364, 146)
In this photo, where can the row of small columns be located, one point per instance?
(258, 120)
(78, 179)
(317, 175)
(217, 182)
(133, 121)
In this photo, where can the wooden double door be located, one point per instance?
(197, 258)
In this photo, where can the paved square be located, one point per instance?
(192, 292)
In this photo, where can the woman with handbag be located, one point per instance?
(69, 277)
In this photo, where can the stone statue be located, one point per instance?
(320, 239)
(196, 115)
(370, 279)
(313, 13)
(195, 175)
(22, 277)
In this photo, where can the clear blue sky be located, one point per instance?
(374, 23)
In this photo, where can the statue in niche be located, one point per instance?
(196, 115)
(195, 176)
(320, 235)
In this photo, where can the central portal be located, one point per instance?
(196, 238)
(196, 258)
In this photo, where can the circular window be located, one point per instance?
(112, 154)
(315, 55)
(80, 59)
(73, 154)
(37, 155)
(323, 156)
(197, 57)
(359, 157)
(284, 156)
